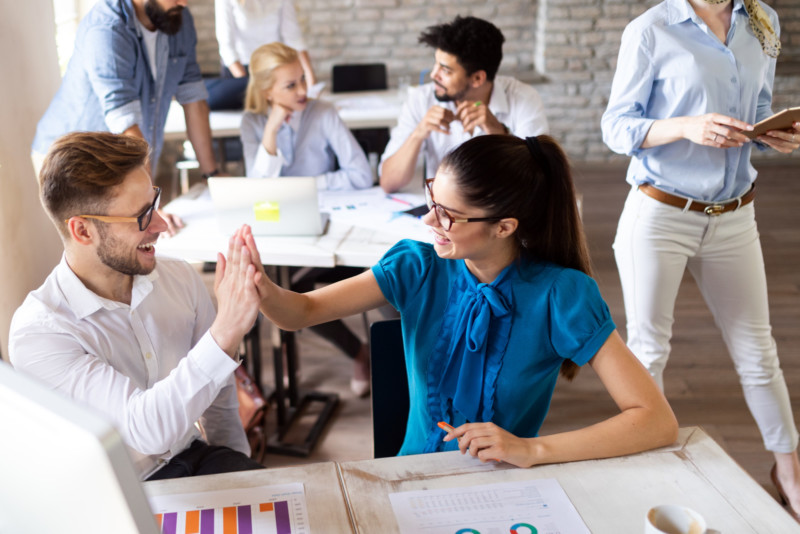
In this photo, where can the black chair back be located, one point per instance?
(390, 402)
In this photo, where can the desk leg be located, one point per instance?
(290, 401)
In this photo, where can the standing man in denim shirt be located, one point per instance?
(131, 57)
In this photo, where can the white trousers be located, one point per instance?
(654, 245)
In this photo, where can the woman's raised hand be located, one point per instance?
(263, 283)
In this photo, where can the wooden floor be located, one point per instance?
(700, 381)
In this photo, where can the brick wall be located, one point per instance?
(566, 48)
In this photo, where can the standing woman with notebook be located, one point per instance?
(691, 76)
(492, 311)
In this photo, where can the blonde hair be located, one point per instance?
(263, 63)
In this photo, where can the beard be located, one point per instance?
(111, 254)
(446, 97)
(168, 22)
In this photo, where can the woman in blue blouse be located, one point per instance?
(285, 133)
(493, 309)
(691, 76)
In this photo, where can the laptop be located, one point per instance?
(286, 206)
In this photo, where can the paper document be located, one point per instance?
(526, 507)
(279, 509)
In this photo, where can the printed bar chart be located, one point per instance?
(263, 510)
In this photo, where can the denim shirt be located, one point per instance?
(670, 65)
(108, 85)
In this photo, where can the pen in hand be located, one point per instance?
(449, 428)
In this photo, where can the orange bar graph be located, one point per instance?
(265, 507)
(193, 522)
(159, 519)
(229, 520)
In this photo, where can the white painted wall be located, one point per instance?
(29, 67)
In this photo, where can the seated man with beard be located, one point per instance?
(133, 338)
(464, 99)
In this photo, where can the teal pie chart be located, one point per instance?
(526, 529)
(467, 531)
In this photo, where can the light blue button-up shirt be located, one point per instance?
(108, 85)
(672, 65)
(315, 142)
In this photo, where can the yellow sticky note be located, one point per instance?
(267, 211)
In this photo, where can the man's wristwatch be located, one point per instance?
(207, 175)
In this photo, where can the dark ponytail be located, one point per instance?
(529, 180)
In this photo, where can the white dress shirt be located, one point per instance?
(244, 26)
(515, 104)
(151, 367)
(314, 142)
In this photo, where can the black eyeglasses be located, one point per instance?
(443, 216)
(143, 219)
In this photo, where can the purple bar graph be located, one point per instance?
(245, 520)
(282, 522)
(207, 521)
(170, 524)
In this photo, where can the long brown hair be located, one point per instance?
(529, 180)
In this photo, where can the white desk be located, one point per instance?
(327, 509)
(363, 226)
(363, 109)
(611, 495)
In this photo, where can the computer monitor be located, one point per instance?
(63, 468)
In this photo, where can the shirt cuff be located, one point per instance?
(120, 119)
(322, 182)
(191, 92)
(267, 165)
(212, 360)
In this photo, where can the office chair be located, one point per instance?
(363, 77)
(390, 401)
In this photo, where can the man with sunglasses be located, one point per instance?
(132, 337)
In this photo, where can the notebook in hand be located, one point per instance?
(285, 206)
(782, 120)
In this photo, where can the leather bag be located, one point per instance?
(252, 412)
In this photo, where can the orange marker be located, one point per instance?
(444, 426)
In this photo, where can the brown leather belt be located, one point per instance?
(712, 209)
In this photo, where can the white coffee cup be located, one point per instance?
(673, 519)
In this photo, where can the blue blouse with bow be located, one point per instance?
(486, 352)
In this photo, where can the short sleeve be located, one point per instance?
(403, 271)
(580, 320)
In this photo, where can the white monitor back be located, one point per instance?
(286, 206)
(63, 468)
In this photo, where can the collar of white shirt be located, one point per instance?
(84, 302)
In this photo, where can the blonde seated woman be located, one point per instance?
(285, 133)
(491, 311)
